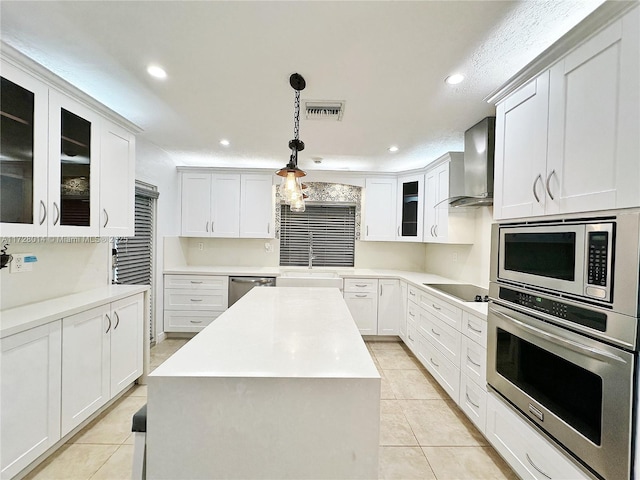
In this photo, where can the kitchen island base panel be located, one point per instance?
(263, 428)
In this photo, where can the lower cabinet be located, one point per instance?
(523, 447)
(29, 395)
(101, 355)
(361, 296)
(389, 300)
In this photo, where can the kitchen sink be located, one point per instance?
(309, 278)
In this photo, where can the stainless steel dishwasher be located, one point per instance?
(238, 286)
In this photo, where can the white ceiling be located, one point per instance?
(229, 62)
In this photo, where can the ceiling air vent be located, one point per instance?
(324, 110)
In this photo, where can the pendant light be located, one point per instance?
(291, 188)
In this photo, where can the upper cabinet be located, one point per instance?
(410, 208)
(65, 169)
(568, 140)
(228, 205)
(380, 209)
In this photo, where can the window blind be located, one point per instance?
(328, 229)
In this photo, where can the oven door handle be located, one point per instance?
(564, 342)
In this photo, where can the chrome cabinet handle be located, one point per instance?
(553, 172)
(411, 314)
(268, 227)
(107, 218)
(413, 294)
(435, 230)
(471, 401)
(380, 290)
(361, 286)
(367, 230)
(471, 360)
(474, 329)
(399, 232)
(435, 333)
(55, 220)
(108, 318)
(361, 296)
(433, 363)
(195, 321)
(117, 320)
(436, 307)
(212, 223)
(207, 227)
(535, 194)
(536, 467)
(196, 299)
(432, 230)
(43, 209)
(196, 282)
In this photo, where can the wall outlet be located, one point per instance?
(268, 247)
(454, 257)
(200, 246)
(23, 262)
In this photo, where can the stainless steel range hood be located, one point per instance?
(479, 147)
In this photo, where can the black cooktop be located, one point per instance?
(464, 292)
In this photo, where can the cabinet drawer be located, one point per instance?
(176, 299)
(442, 336)
(523, 447)
(197, 282)
(475, 328)
(361, 285)
(473, 362)
(473, 401)
(188, 321)
(412, 337)
(445, 372)
(443, 310)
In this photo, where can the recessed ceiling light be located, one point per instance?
(393, 148)
(224, 142)
(156, 71)
(454, 79)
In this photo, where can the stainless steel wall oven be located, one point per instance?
(563, 332)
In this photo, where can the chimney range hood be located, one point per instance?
(479, 147)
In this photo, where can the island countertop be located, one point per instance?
(277, 332)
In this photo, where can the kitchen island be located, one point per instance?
(279, 386)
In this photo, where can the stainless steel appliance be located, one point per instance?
(462, 291)
(239, 286)
(563, 332)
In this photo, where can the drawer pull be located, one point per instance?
(436, 307)
(471, 401)
(196, 321)
(474, 329)
(364, 295)
(413, 294)
(109, 327)
(196, 299)
(360, 285)
(435, 333)
(433, 363)
(536, 467)
(197, 282)
(471, 360)
(411, 314)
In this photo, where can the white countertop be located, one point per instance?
(279, 332)
(416, 279)
(22, 318)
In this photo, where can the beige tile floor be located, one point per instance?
(423, 434)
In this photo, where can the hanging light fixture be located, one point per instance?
(291, 188)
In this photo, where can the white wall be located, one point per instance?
(64, 266)
(155, 166)
(390, 255)
(465, 263)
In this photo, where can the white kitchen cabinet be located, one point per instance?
(441, 223)
(441, 368)
(196, 204)
(117, 181)
(389, 307)
(191, 302)
(594, 123)
(530, 454)
(473, 402)
(24, 176)
(361, 297)
(403, 312)
(256, 206)
(380, 213)
(101, 354)
(410, 208)
(225, 205)
(29, 395)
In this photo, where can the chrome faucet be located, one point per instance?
(311, 255)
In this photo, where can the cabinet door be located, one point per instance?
(127, 342)
(256, 206)
(364, 310)
(225, 205)
(389, 311)
(431, 198)
(590, 124)
(117, 181)
(196, 204)
(29, 396)
(380, 209)
(74, 168)
(23, 154)
(441, 230)
(85, 365)
(410, 208)
(521, 151)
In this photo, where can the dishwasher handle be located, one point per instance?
(254, 281)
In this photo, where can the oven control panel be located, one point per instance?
(564, 311)
(598, 258)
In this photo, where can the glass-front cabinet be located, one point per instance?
(410, 208)
(23, 153)
(73, 168)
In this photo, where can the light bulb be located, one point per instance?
(289, 187)
(297, 206)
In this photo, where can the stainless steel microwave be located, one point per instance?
(593, 258)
